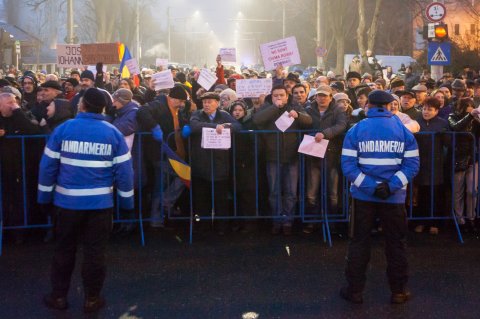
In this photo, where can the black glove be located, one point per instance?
(382, 190)
(99, 67)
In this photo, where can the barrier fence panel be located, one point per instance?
(21, 154)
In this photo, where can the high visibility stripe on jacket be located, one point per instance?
(84, 159)
(379, 149)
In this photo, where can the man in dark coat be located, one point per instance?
(281, 156)
(211, 167)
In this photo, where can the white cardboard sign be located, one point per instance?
(284, 122)
(281, 52)
(253, 87)
(132, 66)
(207, 79)
(93, 68)
(163, 80)
(228, 55)
(212, 140)
(69, 56)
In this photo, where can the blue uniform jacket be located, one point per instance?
(379, 149)
(83, 160)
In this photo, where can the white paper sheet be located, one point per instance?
(310, 147)
(163, 80)
(284, 122)
(212, 140)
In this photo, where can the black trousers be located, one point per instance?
(91, 228)
(394, 222)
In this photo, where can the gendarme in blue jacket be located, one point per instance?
(379, 149)
(83, 160)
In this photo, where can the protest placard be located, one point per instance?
(228, 55)
(253, 87)
(132, 66)
(107, 53)
(310, 147)
(212, 140)
(161, 62)
(207, 79)
(69, 56)
(281, 52)
(163, 80)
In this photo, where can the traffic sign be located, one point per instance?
(17, 47)
(439, 53)
(436, 12)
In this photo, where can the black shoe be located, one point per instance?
(400, 298)
(308, 229)
(93, 304)
(353, 297)
(55, 303)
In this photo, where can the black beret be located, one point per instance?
(379, 97)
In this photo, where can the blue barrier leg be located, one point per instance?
(1, 211)
(140, 207)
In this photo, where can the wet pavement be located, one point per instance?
(228, 276)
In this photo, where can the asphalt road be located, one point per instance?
(226, 277)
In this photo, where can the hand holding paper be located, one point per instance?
(310, 147)
(284, 121)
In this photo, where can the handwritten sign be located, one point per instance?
(310, 147)
(163, 80)
(212, 140)
(228, 55)
(132, 66)
(253, 87)
(161, 62)
(69, 56)
(281, 52)
(107, 53)
(207, 79)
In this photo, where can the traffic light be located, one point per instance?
(441, 32)
(435, 32)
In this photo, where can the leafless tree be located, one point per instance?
(372, 30)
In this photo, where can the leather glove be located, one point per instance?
(382, 191)
(186, 131)
(157, 134)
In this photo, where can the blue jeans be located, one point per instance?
(313, 175)
(282, 185)
(166, 191)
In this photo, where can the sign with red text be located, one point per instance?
(281, 52)
(69, 56)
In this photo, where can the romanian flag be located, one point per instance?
(179, 166)
(123, 56)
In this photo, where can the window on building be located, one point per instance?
(473, 28)
(457, 29)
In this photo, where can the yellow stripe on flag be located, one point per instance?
(182, 170)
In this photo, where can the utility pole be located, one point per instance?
(169, 36)
(137, 33)
(319, 58)
(70, 35)
(283, 19)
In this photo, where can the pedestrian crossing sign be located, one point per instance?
(439, 53)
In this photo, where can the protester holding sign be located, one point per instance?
(285, 149)
(202, 175)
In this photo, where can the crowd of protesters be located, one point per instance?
(266, 168)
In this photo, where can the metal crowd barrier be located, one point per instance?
(323, 216)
